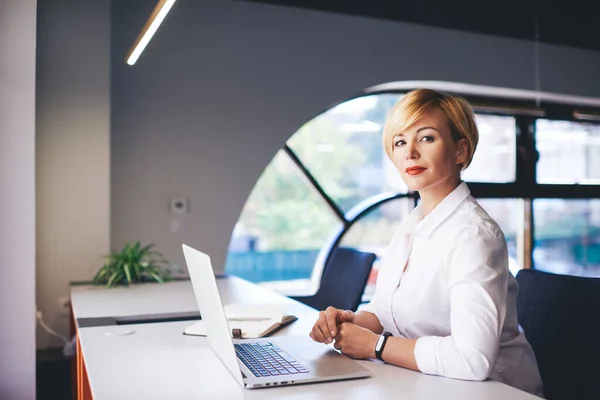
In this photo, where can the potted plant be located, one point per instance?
(133, 264)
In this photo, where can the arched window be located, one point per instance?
(332, 185)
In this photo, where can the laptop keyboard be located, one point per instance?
(267, 359)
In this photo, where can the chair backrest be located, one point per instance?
(344, 279)
(560, 316)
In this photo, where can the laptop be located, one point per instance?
(264, 362)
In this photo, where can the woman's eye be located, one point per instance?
(427, 139)
(399, 143)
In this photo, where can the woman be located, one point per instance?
(445, 300)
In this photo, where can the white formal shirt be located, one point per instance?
(456, 297)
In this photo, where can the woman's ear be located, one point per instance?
(462, 150)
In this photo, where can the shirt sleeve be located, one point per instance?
(477, 275)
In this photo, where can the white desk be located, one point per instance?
(159, 362)
(89, 301)
(155, 300)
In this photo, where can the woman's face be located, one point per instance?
(426, 155)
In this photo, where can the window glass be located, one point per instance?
(285, 222)
(374, 231)
(569, 152)
(342, 148)
(282, 227)
(495, 157)
(567, 236)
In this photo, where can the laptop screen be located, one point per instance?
(211, 309)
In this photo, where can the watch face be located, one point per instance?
(379, 343)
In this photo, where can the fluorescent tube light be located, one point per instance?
(158, 15)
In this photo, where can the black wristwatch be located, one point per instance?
(381, 345)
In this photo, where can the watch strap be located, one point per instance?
(379, 349)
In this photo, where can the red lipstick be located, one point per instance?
(415, 170)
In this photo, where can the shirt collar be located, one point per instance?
(420, 226)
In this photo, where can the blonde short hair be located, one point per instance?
(413, 105)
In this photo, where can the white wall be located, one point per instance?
(73, 151)
(224, 83)
(17, 202)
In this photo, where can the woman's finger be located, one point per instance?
(347, 316)
(331, 314)
(324, 331)
(316, 333)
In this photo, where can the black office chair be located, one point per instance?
(560, 316)
(343, 281)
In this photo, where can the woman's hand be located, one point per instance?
(326, 327)
(355, 341)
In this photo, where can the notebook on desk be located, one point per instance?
(249, 321)
(263, 362)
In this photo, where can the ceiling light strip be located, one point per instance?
(156, 18)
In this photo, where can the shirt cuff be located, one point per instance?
(425, 354)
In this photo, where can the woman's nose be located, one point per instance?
(410, 151)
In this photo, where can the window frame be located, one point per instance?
(525, 187)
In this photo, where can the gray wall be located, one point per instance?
(17, 202)
(224, 83)
(73, 151)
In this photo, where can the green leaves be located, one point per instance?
(133, 264)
